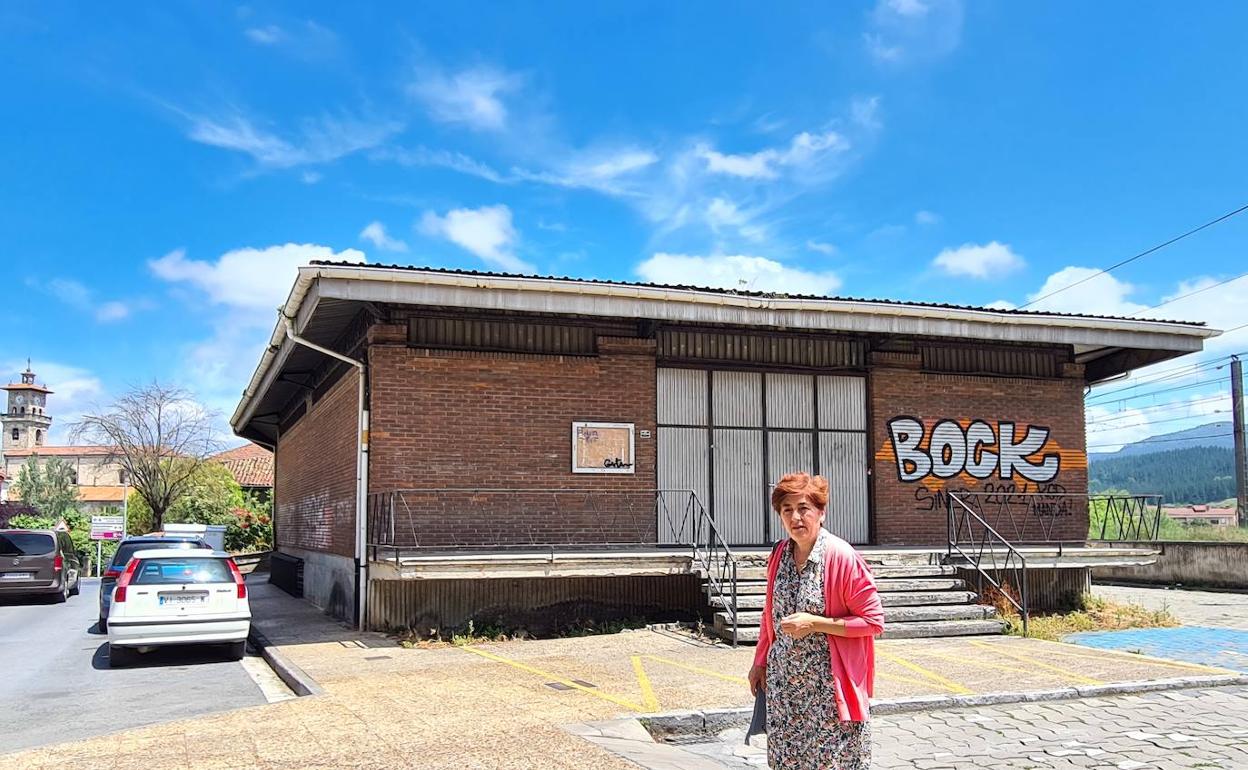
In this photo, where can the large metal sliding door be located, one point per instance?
(730, 435)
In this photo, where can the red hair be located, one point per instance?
(814, 488)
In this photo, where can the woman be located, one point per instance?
(819, 667)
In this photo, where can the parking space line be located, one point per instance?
(641, 709)
(902, 679)
(696, 670)
(948, 684)
(647, 692)
(982, 664)
(1039, 664)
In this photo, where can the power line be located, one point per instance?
(1179, 372)
(1169, 406)
(1130, 412)
(1200, 384)
(1145, 253)
(1160, 440)
(1147, 423)
(1189, 294)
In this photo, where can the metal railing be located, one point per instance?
(993, 557)
(1056, 518)
(466, 520)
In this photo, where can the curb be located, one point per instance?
(295, 678)
(712, 721)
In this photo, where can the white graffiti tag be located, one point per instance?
(953, 451)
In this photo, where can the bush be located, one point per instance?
(214, 497)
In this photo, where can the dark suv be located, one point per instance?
(124, 551)
(38, 561)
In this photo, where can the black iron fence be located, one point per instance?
(412, 522)
(1058, 518)
(975, 545)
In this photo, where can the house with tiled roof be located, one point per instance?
(251, 465)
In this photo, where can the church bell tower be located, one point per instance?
(25, 419)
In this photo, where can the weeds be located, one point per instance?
(1095, 614)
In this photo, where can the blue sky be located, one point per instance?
(167, 168)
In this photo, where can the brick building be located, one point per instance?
(418, 412)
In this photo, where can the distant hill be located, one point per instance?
(1214, 434)
(1196, 474)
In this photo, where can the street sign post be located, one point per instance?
(107, 527)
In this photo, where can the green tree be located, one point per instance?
(211, 496)
(50, 488)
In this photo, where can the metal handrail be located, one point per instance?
(1135, 516)
(688, 524)
(976, 560)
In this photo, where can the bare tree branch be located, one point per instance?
(159, 435)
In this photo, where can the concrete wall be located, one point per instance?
(910, 505)
(540, 606)
(328, 581)
(1190, 563)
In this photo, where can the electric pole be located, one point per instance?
(1241, 468)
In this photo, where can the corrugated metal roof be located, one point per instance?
(739, 293)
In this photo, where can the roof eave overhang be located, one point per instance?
(562, 296)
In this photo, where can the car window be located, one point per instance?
(25, 544)
(128, 548)
(176, 571)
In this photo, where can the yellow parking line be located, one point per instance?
(948, 684)
(647, 692)
(1033, 662)
(979, 663)
(556, 678)
(696, 670)
(903, 679)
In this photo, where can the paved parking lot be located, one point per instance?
(57, 685)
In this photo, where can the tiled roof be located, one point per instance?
(102, 494)
(740, 293)
(60, 451)
(251, 465)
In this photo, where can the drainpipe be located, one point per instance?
(361, 475)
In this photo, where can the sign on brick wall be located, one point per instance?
(602, 447)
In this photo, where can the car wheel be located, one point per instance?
(63, 594)
(77, 586)
(238, 650)
(120, 656)
(101, 624)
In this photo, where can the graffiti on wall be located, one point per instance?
(999, 458)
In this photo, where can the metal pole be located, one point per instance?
(99, 556)
(1241, 463)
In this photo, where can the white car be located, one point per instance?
(166, 597)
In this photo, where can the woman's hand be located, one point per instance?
(800, 625)
(758, 679)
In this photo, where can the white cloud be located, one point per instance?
(319, 140)
(79, 297)
(903, 31)
(1098, 295)
(1001, 304)
(310, 177)
(826, 249)
(250, 281)
(607, 170)
(455, 161)
(990, 260)
(268, 35)
(112, 311)
(925, 217)
(486, 232)
(743, 273)
(375, 233)
(722, 214)
(803, 149)
(471, 97)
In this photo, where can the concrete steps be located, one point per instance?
(920, 600)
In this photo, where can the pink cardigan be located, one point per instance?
(848, 593)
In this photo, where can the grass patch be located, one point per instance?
(471, 634)
(1096, 614)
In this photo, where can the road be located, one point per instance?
(57, 685)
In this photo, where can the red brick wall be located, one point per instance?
(503, 420)
(315, 474)
(913, 512)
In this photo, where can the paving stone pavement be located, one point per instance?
(1154, 731)
(1227, 609)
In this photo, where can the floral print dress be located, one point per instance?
(804, 731)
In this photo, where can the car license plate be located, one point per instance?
(183, 599)
(14, 576)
